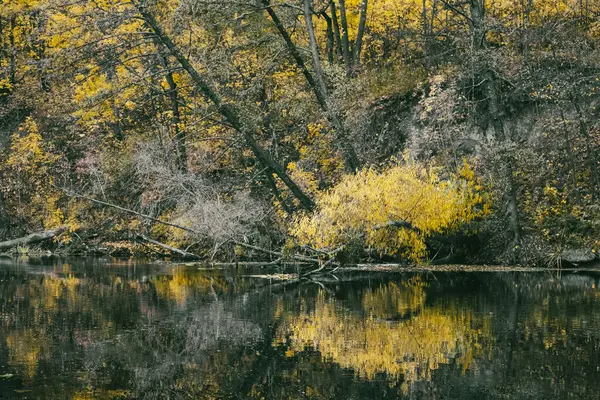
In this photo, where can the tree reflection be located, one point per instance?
(398, 336)
(214, 335)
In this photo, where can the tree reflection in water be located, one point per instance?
(398, 335)
(73, 332)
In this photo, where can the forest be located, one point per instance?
(325, 131)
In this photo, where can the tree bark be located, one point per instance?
(570, 155)
(317, 83)
(227, 110)
(425, 34)
(336, 29)
(591, 153)
(3, 47)
(268, 172)
(361, 30)
(179, 136)
(12, 68)
(39, 47)
(32, 239)
(329, 50)
(314, 49)
(526, 34)
(345, 39)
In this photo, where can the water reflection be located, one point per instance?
(396, 333)
(109, 330)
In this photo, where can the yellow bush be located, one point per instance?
(364, 206)
(27, 180)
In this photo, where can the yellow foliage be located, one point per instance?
(182, 285)
(395, 300)
(364, 206)
(28, 182)
(24, 351)
(27, 153)
(410, 348)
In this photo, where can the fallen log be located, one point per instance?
(172, 249)
(32, 239)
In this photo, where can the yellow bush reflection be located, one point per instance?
(398, 335)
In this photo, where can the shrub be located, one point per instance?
(394, 210)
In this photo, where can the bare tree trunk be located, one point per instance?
(12, 68)
(318, 84)
(361, 30)
(273, 186)
(39, 46)
(2, 49)
(314, 49)
(336, 29)
(269, 172)
(179, 136)
(591, 153)
(526, 20)
(570, 156)
(345, 39)
(425, 34)
(477, 24)
(227, 110)
(116, 125)
(329, 50)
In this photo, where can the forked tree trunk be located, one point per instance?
(329, 50)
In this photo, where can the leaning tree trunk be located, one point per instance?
(317, 83)
(226, 110)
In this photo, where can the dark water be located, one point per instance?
(107, 330)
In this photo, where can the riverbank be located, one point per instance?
(241, 254)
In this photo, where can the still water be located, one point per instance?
(103, 329)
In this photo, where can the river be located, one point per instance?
(109, 329)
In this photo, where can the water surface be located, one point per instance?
(104, 329)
